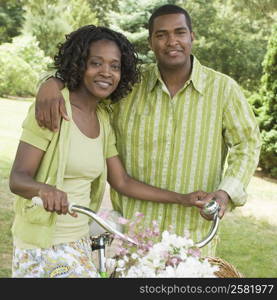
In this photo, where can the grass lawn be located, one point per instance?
(248, 234)
(250, 245)
(12, 114)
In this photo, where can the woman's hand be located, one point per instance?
(194, 199)
(55, 200)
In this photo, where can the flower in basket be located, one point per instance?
(157, 254)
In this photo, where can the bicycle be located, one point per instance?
(99, 242)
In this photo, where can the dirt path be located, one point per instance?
(262, 200)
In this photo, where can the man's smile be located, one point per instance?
(173, 52)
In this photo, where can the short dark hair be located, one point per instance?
(72, 56)
(166, 10)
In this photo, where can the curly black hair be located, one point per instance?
(71, 60)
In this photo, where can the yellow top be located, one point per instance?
(84, 164)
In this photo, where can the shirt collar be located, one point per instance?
(155, 76)
(197, 76)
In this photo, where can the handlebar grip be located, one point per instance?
(37, 201)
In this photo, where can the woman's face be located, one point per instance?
(103, 70)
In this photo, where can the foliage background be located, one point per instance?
(236, 37)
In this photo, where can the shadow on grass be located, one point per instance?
(6, 219)
(249, 245)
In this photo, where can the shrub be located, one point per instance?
(22, 62)
(17, 77)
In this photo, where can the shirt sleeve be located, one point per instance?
(111, 149)
(33, 134)
(44, 76)
(242, 137)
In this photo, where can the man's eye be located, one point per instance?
(181, 32)
(160, 35)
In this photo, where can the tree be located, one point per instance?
(102, 8)
(80, 13)
(11, 19)
(131, 19)
(48, 22)
(257, 9)
(267, 112)
(228, 41)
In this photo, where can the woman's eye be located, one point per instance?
(116, 67)
(94, 63)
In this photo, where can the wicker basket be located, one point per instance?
(226, 270)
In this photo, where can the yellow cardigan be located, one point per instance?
(33, 224)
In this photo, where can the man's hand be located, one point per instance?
(222, 198)
(50, 104)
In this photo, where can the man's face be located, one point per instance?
(171, 40)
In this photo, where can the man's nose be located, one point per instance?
(171, 40)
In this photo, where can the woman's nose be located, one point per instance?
(105, 70)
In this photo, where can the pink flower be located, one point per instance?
(103, 214)
(150, 244)
(156, 232)
(194, 252)
(121, 251)
(165, 254)
(174, 261)
(139, 215)
(122, 221)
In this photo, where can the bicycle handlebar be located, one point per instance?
(85, 210)
(211, 208)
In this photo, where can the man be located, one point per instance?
(184, 127)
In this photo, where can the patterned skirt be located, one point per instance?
(68, 260)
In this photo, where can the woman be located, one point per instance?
(73, 164)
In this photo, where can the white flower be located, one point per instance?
(166, 256)
(168, 272)
(134, 256)
(110, 263)
(120, 263)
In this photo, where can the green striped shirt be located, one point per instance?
(204, 138)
